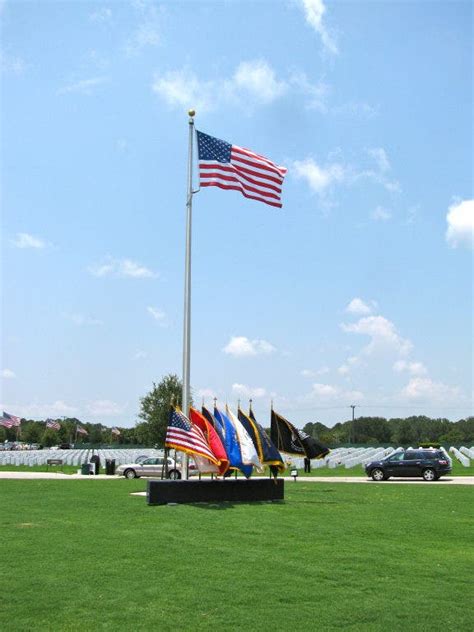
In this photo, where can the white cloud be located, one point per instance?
(383, 168)
(253, 83)
(103, 14)
(206, 393)
(24, 240)
(8, 374)
(311, 374)
(240, 346)
(356, 109)
(128, 268)
(182, 88)
(314, 12)
(319, 178)
(148, 31)
(324, 390)
(423, 388)
(258, 81)
(84, 86)
(460, 219)
(158, 314)
(11, 64)
(248, 391)
(59, 408)
(122, 268)
(380, 156)
(351, 362)
(330, 393)
(382, 332)
(317, 93)
(84, 321)
(413, 368)
(104, 408)
(357, 306)
(381, 214)
(140, 355)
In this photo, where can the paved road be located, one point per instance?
(453, 480)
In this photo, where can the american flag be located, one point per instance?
(231, 167)
(186, 436)
(10, 420)
(81, 430)
(116, 431)
(53, 425)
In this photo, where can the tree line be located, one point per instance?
(408, 431)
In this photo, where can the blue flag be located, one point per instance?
(231, 444)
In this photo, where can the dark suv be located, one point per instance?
(430, 464)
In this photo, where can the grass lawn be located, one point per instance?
(84, 555)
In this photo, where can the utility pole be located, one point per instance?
(353, 424)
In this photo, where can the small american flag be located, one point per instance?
(14, 421)
(81, 430)
(116, 431)
(53, 425)
(6, 423)
(186, 436)
(231, 167)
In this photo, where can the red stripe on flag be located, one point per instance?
(255, 159)
(243, 173)
(213, 176)
(228, 187)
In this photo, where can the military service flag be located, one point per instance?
(294, 441)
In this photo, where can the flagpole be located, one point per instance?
(187, 286)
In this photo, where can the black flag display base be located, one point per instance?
(235, 490)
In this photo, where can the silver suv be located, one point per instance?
(153, 466)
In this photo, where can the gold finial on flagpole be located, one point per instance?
(192, 113)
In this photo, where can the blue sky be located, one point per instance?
(358, 291)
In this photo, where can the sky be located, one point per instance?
(357, 292)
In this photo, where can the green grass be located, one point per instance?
(64, 469)
(79, 556)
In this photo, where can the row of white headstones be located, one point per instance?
(340, 457)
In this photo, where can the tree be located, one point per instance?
(49, 438)
(154, 409)
(31, 432)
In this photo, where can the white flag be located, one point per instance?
(247, 448)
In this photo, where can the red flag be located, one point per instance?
(212, 437)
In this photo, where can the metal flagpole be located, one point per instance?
(187, 287)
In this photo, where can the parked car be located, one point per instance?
(154, 466)
(429, 464)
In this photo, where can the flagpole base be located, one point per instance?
(204, 491)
